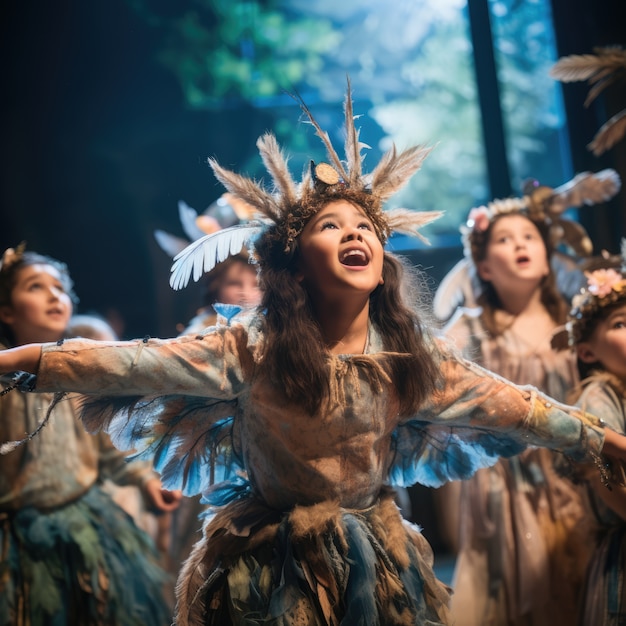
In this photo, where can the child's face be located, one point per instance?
(340, 252)
(607, 344)
(40, 308)
(240, 286)
(515, 251)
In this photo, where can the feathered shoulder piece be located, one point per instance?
(283, 211)
(602, 69)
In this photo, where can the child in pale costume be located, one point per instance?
(68, 554)
(522, 550)
(292, 419)
(232, 282)
(597, 327)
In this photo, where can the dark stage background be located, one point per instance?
(98, 146)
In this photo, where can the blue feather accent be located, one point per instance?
(432, 455)
(203, 255)
(227, 311)
(360, 596)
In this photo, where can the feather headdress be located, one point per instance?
(283, 212)
(544, 206)
(604, 68)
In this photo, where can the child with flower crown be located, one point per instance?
(69, 555)
(293, 419)
(522, 542)
(597, 329)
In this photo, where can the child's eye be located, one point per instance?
(365, 225)
(326, 225)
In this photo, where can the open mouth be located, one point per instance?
(523, 259)
(354, 258)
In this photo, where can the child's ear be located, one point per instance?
(483, 270)
(585, 352)
(6, 314)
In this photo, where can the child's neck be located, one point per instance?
(518, 302)
(344, 329)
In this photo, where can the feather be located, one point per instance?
(203, 255)
(276, 164)
(323, 135)
(576, 237)
(187, 439)
(352, 145)
(609, 134)
(247, 190)
(585, 188)
(576, 67)
(432, 454)
(408, 222)
(601, 70)
(455, 290)
(394, 170)
(188, 217)
(170, 244)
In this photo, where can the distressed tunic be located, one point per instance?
(302, 515)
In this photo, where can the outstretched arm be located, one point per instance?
(614, 444)
(25, 358)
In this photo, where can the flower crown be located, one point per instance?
(545, 206)
(605, 286)
(283, 212)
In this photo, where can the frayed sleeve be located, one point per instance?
(475, 417)
(210, 365)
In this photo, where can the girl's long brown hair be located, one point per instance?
(294, 355)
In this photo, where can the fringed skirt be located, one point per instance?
(317, 565)
(84, 564)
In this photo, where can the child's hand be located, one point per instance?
(614, 444)
(160, 498)
(24, 358)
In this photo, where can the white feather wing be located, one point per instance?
(205, 253)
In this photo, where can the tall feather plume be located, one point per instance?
(609, 134)
(604, 68)
(276, 164)
(248, 190)
(585, 188)
(323, 135)
(352, 144)
(409, 222)
(394, 170)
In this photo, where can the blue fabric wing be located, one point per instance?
(189, 440)
(431, 454)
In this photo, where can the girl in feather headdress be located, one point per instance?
(292, 420)
(519, 526)
(597, 330)
(68, 554)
